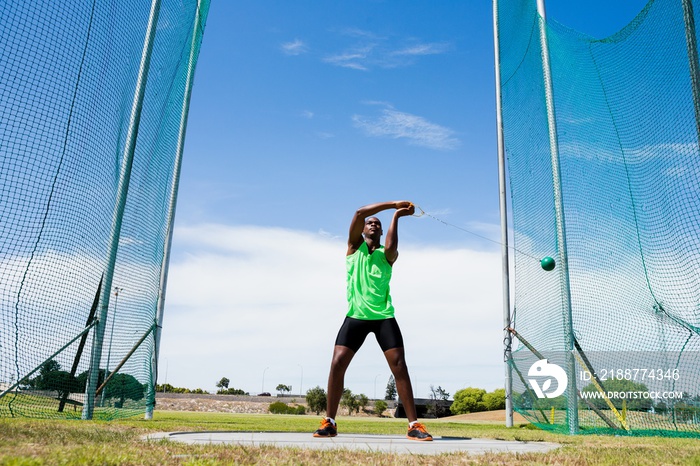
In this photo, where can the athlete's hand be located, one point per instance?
(410, 210)
(403, 204)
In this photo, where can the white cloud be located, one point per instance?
(295, 47)
(370, 50)
(354, 58)
(248, 301)
(380, 103)
(327, 234)
(422, 49)
(417, 130)
(50, 295)
(356, 32)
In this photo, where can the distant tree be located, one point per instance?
(60, 381)
(390, 389)
(232, 391)
(316, 399)
(435, 407)
(362, 401)
(379, 407)
(51, 377)
(49, 366)
(165, 388)
(123, 386)
(83, 377)
(661, 407)
(686, 412)
(223, 383)
(224, 388)
(282, 388)
(468, 400)
(353, 403)
(349, 401)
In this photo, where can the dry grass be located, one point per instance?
(39, 442)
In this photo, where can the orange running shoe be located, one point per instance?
(418, 432)
(327, 429)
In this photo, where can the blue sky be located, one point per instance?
(301, 114)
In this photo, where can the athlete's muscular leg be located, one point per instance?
(397, 364)
(342, 355)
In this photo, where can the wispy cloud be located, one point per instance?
(380, 103)
(364, 50)
(357, 58)
(308, 114)
(296, 47)
(361, 33)
(399, 125)
(369, 50)
(327, 234)
(423, 49)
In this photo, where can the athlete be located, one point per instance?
(369, 267)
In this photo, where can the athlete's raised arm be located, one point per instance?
(391, 243)
(357, 224)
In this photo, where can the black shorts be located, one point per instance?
(354, 331)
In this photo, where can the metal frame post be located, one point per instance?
(118, 215)
(171, 211)
(117, 290)
(507, 339)
(572, 395)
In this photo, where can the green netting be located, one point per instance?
(626, 131)
(69, 81)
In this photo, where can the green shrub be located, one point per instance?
(282, 408)
(362, 401)
(495, 399)
(350, 401)
(316, 399)
(300, 410)
(231, 391)
(468, 400)
(278, 408)
(472, 400)
(379, 407)
(163, 388)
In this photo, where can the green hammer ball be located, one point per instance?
(548, 263)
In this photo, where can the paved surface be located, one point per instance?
(384, 443)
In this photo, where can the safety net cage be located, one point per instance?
(601, 142)
(93, 107)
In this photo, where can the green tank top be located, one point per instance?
(368, 284)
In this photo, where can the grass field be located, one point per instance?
(37, 442)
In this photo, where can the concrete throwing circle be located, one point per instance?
(383, 443)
